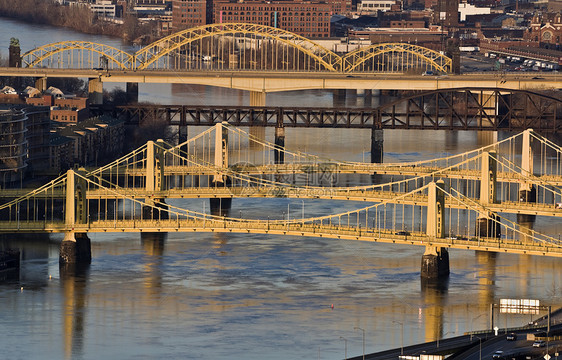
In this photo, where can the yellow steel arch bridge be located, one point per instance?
(237, 46)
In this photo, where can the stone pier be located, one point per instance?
(377, 150)
(76, 248)
(132, 92)
(279, 155)
(435, 263)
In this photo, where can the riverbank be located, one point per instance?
(78, 18)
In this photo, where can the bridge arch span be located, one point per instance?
(79, 55)
(373, 58)
(229, 45)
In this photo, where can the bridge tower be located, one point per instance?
(486, 226)
(154, 182)
(221, 206)
(527, 191)
(435, 260)
(75, 247)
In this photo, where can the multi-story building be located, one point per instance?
(309, 19)
(104, 8)
(373, 6)
(90, 142)
(190, 13)
(13, 146)
(545, 30)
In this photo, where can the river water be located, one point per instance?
(232, 296)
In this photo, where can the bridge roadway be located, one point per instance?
(321, 228)
(480, 345)
(275, 81)
(342, 168)
(348, 194)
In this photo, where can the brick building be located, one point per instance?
(90, 142)
(190, 13)
(309, 19)
(303, 17)
(545, 31)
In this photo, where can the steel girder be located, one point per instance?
(447, 109)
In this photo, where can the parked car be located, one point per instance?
(402, 232)
(428, 73)
(539, 343)
(511, 337)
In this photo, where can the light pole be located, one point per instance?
(448, 332)
(344, 339)
(471, 323)
(358, 328)
(401, 336)
(302, 210)
(480, 347)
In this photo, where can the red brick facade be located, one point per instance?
(545, 29)
(311, 20)
(307, 18)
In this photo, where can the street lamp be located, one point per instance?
(448, 332)
(480, 347)
(358, 328)
(401, 337)
(344, 339)
(302, 210)
(471, 322)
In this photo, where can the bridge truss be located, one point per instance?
(78, 55)
(237, 46)
(445, 109)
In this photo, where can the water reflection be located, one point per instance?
(153, 261)
(73, 279)
(434, 294)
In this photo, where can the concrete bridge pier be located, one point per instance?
(95, 91)
(279, 155)
(488, 226)
(158, 210)
(377, 140)
(182, 134)
(75, 248)
(132, 91)
(339, 98)
(435, 263)
(257, 98)
(220, 206)
(41, 83)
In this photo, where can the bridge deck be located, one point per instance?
(350, 194)
(293, 228)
